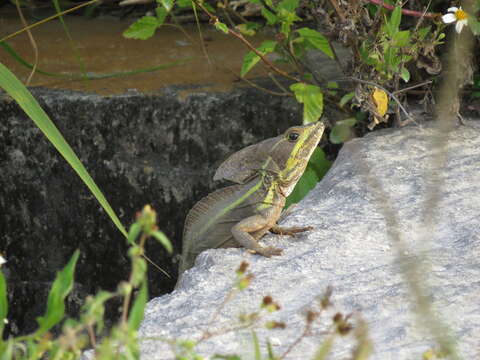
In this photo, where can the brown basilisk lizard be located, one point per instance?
(239, 215)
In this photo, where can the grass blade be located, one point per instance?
(27, 102)
(25, 63)
(138, 308)
(70, 39)
(256, 346)
(56, 298)
(3, 303)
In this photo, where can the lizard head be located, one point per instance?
(293, 150)
(285, 156)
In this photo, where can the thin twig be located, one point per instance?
(413, 87)
(338, 9)
(91, 335)
(202, 42)
(32, 41)
(280, 86)
(47, 19)
(155, 265)
(406, 11)
(304, 334)
(407, 114)
(261, 88)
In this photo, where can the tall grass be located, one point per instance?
(18, 91)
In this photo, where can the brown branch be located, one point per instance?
(413, 87)
(413, 13)
(261, 88)
(337, 8)
(305, 333)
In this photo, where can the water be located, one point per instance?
(103, 50)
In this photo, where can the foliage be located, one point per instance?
(317, 167)
(121, 341)
(72, 339)
(392, 45)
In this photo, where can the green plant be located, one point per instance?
(389, 44)
(121, 341)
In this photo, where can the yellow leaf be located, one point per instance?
(380, 98)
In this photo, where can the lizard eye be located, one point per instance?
(293, 136)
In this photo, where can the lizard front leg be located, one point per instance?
(282, 230)
(241, 233)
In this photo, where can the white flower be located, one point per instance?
(455, 14)
(2, 260)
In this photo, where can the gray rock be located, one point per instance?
(158, 149)
(350, 250)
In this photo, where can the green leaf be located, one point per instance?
(393, 23)
(271, 355)
(60, 289)
(365, 54)
(474, 25)
(136, 313)
(405, 74)
(423, 32)
(249, 28)
(346, 98)
(317, 40)
(312, 99)
(221, 26)
(324, 349)
(256, 346)
(184, 4)
(167, 4)
(3, 303)
(251, 59)
(93, 309)
(162, 239)
(402, 38)
(342, 130)
(288, 5)
(139, 266)
(7, 349)
(317, 167)
(161, 15)
(269, 16)
(133, 233)
(287, 19)
(26, 101)
(390, 56)
(142, 29)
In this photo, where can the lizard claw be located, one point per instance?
(270, 251)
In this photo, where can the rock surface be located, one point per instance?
(350, 250)
(140, 149)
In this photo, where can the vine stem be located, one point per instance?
(413, 13)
